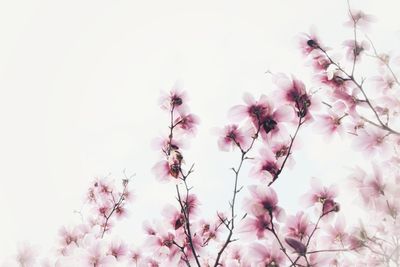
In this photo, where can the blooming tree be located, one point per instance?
(263, 133)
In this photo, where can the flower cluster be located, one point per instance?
(182, 124)
(366, 108)
(89, 243)
(379, 194)
(262, 233)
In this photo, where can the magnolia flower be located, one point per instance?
(96, 255)
(320, 62)
(176, 99)
(333, 78)
(270, 255)
(187, 123)
(273, 118)
(322, 195)
(372, 140)
(332, 122)
(26, 255)
(359, 19)
(254, 110)
(264, 200)
(258, 225)
(293, 91)
(118, 249)
(355, 49)
(267, 165)
(309, 42)
(232, 136)
(384, 82)
(134, 256)
(336, 234)
(298, 226)
(165, 170)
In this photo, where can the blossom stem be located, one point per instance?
(115, 207)
(384, 61)
(360, 87)
(183, 205)
(182, 249)
(292, 138)
(184, 209)
(355, 52)
(231, 224)
(272, 230)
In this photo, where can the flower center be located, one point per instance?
(269, 124)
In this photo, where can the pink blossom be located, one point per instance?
(320, 62)
(375, 186)
(267, 165)
(176, 99)
(263, 201)
(118, 249)
(354, 126)
(317, 260)
(273, 118)
(236, 252)
(334, 80)
(134, 256)
(357, 238)
(280, 149)
(269, 255)
(263, 114)
(162, 243)
(351, 101)
(96, 256)
(258, 225)
(384, 82)
(298, 226)
(232, 136)
(148, 228)
(164, 143)
(336, 234)
(372, 140)
(69, 238)
(173, 216)
(355, 49)
(210, 230)
(321, 195)
(26, 255)
(192, 203)
(121, 212)
(149, 262)
(293, 91)
(165, 170)
(309, 42)
(389, 106)
(187, 124)
(254, 110)
(390, 207)
(332, 122)
(104, 207)
(103, 186)
(358, 18)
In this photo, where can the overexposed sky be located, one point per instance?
(79, 83)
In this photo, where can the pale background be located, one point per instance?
(79, 83)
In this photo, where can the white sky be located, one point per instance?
(79, 83)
